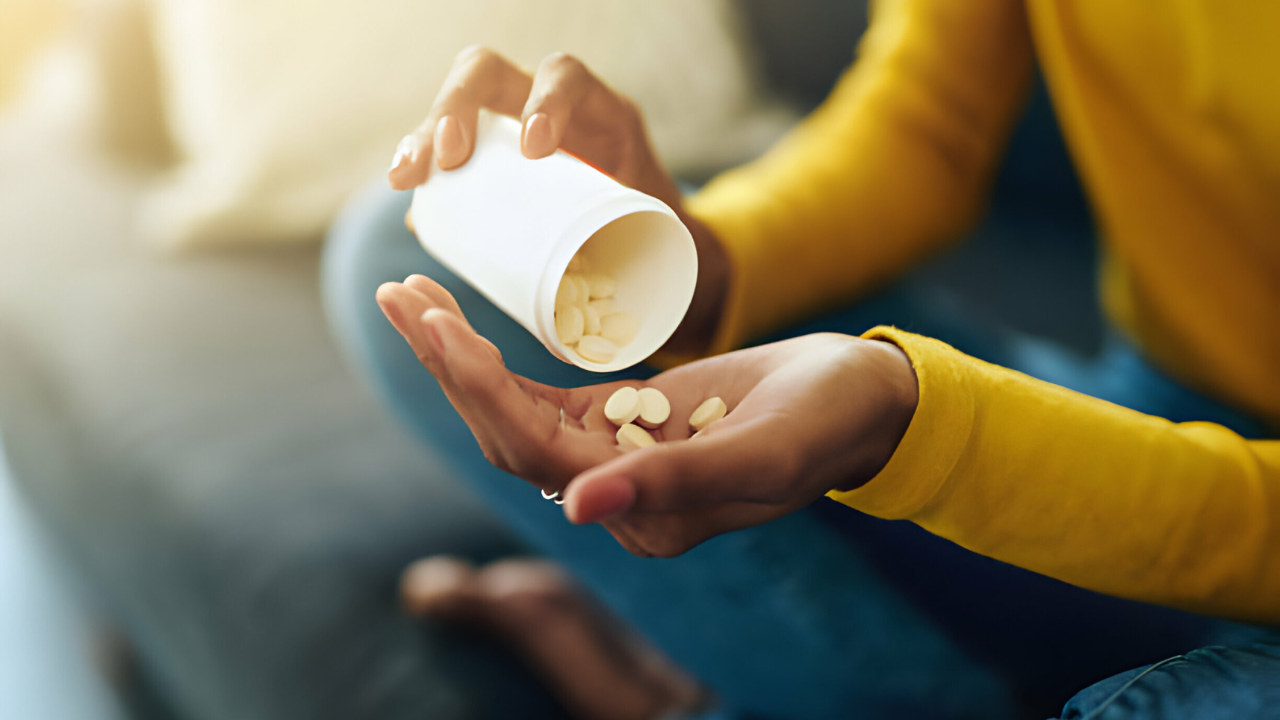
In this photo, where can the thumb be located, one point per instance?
(751, 461)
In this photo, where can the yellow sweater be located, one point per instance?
(1172, 112)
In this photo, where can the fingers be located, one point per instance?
(562, 105)
(752, 462)
(404, 306)
(671, 534)
(468, 368)
(519, 431)
(599, 497)
(480, 78)
(519, 424)
(436, 293)
(561, 87)
(407, 171)
(437, 296)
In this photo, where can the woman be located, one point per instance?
(1169, 112)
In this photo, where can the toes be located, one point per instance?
(441, 585)
(537, 580)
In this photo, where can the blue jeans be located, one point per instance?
(825, 613)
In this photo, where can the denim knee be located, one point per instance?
(1241, 683)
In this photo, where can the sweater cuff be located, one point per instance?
(936, 438)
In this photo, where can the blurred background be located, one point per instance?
(170, 400)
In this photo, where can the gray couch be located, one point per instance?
(191, 436)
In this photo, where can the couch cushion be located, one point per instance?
(279, 110)
(189, 430)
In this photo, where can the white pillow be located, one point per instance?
(280, 108)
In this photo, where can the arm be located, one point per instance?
(1017, 469)
(895, 163)
(1186, 515)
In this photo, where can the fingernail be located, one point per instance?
(432, 332)
(608, 497)
(406, 152)
(449, 144)
(538, 141)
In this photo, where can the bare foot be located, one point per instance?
(598, 668)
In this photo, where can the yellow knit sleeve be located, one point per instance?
(895, 162)
(1186, 515)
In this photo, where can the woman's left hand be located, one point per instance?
(806, 415)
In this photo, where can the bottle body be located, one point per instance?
(509, 226)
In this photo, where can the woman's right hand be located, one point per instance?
(561, 106)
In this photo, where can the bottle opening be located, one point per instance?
(651, 258)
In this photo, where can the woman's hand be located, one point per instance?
(561, 106)
(806, 416)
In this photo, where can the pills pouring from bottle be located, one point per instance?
(589, 320)
(636, 411)
(630, 279)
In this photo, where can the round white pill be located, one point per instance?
(623, 406)
(584, 290)
(619, 328)
(569, 292)
(600, 285)
(596, 349)
(633, 437)
(654, 407)
(591, 319)
(569, 324)
(604, 306)
(711, 410)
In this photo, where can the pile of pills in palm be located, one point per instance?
(587, 318)
(635, 410)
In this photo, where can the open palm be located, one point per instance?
(807, 415)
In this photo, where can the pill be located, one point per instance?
(619, 328)
(584, 290)
(633, 437)
(711, 410)
(591, 320)
(623, 406)
(577, 263)
(600, 285)
(654, 407)
(604, 306)
(596, 349)
(569, 292)
(569, 324)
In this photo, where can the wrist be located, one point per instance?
(902, 397)
(698, 329)
(898, 395)
(905, 388)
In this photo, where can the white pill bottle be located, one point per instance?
(508, 226)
